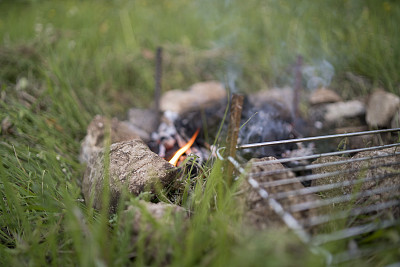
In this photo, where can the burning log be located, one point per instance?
(132, 165)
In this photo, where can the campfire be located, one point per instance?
(290, 177)
(184, 149)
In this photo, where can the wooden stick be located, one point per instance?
(233, 133)
(157, 89)
(297, 88)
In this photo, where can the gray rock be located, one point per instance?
(199, 96)
(381, 176)
(339, 111)
(381, 108)
(94, 139)
(330, 179)
(384, 172)
(396, 120)
(323, 96)
(156, 211)
(144, 120)
(132, 165)
(360, 141)
(279, 97)
(148, 223)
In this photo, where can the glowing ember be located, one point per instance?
(183, 149)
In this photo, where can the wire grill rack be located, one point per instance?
(355, 195)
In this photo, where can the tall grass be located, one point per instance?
(64, 61)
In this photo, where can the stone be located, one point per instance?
(158, 212)
(148, 223)
(132, 166)
(360, 141)
(94, 139)
(145, 120)
(384, 172)
(199, 96)
(257, 211)
(395, 123)
(282, 98)
(381, 108)
(339, 111)
(323, 96)
(331, 179)
(372, 169)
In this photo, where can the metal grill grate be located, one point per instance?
(355, 195)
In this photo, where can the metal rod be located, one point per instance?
(348, 256)
(299, 226)
(321, 165)
(288, 218)
(336, 153)
(318, 176)
(315, 138)
(340, 199)
(352, 231)
(320, 219)
(326, 187)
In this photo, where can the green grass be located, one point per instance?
(62, 62)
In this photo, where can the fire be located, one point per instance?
(183, 149)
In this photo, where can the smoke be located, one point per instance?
(233, 73)
(318, 75)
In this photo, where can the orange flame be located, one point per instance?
(183, 149)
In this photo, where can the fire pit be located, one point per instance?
(328, 198)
